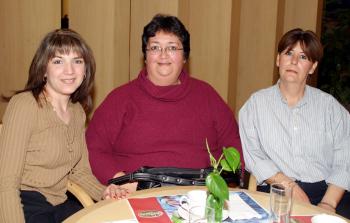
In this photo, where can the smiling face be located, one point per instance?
(164, 67)
(294, 65)
(64, 74)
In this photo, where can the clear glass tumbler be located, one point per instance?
(280, 202)
(198, 214)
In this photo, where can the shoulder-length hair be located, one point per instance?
(62, 41)
(308, 40)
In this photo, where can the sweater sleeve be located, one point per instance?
(82, 175)
(226, 125)
(18, 123)
(101, 134)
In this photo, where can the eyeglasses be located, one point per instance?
(157, 50)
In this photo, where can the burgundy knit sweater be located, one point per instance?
(141, 124)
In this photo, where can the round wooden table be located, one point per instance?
(110, 210)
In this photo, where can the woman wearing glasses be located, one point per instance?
(164, 116)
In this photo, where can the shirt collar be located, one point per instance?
(304, 100)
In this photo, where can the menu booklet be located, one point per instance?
(164, 209)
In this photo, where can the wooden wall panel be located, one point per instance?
(23, 24)
(233, 59)
(233, 43)
(105, 26)
(256, 47)
(209, 23)
(300, 13)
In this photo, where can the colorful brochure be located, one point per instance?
(164, 209)
(148, 210)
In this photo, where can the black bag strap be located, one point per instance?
(168, 175)
(156, 178)
(175, 171)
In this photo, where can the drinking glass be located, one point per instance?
(280, 202)
(199, 215)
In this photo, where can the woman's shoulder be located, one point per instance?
(119, 94)
(264, 94)
(24, 100)
(77, 107)
(200, 83)
(123, 89)
(318, 93)
(320, 99)
(203, 87)
(79, 111)
(23, 106)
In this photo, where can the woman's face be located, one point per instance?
(64, 74)
(294, 66)
(164, 66)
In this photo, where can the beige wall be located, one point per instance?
(209, 25)
(233, 42)
(23, 24)
(106, 28)
(256, 50)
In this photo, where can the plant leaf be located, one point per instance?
(232, 157)
(217, 186)
(225, 165)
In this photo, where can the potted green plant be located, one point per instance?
(217, 188)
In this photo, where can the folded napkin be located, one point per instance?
(239, 209)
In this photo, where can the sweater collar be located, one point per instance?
(165, 93)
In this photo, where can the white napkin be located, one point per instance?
(239, 209)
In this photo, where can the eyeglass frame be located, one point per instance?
(169, 50)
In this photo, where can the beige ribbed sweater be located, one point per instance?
(39, 152)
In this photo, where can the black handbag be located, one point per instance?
(151, 177)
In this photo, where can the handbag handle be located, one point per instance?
(156, 178)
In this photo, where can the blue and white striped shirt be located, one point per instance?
(309, 142)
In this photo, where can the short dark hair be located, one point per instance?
(308, 40)
(167, 24)
(62, 41)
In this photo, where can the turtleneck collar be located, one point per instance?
(165, 93)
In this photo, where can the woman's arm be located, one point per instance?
(15, 135)
(82, 175)
(256, 160)
(332, 197)
(340, 128)
(102, 131)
